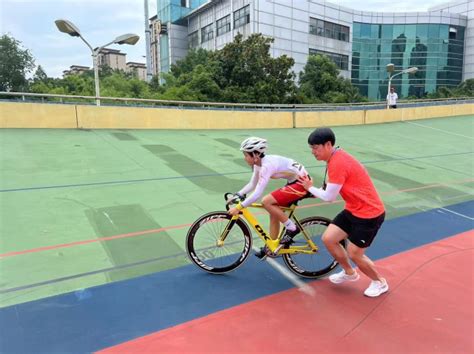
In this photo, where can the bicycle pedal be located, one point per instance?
(261, 256)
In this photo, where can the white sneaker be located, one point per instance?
(341, 277)
(376, 288)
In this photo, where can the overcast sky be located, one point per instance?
(100, 21)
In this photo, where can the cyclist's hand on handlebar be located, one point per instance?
(305, 181)
(234, 211)
(234, 198)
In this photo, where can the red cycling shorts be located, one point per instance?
(290, 193)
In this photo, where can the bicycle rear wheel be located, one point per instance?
(203, 248)
(313, 265)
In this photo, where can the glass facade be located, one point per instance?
(436, 49)
(174, 10)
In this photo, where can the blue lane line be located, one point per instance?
(209, 174)
(117, 182)
(99, 317)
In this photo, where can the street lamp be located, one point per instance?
(390, 69)
(69, 28)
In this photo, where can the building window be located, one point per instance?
(242, 16)
(193, 39)
(207, 33)
(223, 25)
(328, 29)
(341, 60)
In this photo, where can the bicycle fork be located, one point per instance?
(230, 224)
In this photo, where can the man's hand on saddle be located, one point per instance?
(305, 181)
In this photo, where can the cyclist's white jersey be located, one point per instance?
(274, 167)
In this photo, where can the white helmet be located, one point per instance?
(253, 144)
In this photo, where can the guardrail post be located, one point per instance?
(293, 116)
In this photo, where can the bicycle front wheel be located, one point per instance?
(207, 252)
(317, 264)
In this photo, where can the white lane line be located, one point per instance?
(302, 286)
(453, 212)
(444, 131)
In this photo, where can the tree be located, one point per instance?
(243, 71)
(155, 85)
(190, 61)
(248, 73)
(465, 88)
(15, 64)
(320, 82)
(40, 75)
(41, 83)
(318, 78)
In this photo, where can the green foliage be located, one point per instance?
(464, 89)
(155, 84)
(15, 64)
(120, 84)
(320, 82)
(40, 75)
(248, 73)
(190, 61)
(243, 71)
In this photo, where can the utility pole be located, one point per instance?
(149, 74)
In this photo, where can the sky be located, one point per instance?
(100, 21)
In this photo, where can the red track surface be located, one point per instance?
(429, 309)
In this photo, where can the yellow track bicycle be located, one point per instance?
(219, 243)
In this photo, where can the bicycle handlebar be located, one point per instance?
(232, 199)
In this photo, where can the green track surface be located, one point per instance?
(58, 187)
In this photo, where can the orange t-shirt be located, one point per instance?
(358, 191)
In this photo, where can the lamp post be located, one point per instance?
(69, 28)
(390, 69)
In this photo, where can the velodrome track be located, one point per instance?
(92, 244)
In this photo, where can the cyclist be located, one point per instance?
(266, 167)
(361, 218)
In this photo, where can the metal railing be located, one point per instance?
(120, 101)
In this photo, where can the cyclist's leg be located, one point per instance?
(287, 195)
(277, 215)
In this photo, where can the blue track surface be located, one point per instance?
(99, 317)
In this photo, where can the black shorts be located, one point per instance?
(361, 231)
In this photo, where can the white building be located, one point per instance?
(439, 42)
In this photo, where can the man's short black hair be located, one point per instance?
(321, 136)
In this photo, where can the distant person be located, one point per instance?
(361, 218)
(392, 98)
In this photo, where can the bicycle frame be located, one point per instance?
(273, 245)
